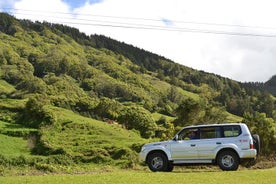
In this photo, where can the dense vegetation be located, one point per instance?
(58, 86)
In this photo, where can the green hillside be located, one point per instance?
(68, 99)
(64, 146)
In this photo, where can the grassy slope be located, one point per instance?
(78, 134)
(233, 118)
(89, 140)
(12, 146)
(126, 177)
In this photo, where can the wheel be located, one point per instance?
(228, 161)
(170, 167)
(248, 163)
(257, 143)
(158, 162)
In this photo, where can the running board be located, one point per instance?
(203, 161)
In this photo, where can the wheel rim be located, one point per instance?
(157, 162)
(227, 161)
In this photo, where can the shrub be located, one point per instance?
(37, 112)
(138, 118)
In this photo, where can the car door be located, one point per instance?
(210, 140)
(183, 148)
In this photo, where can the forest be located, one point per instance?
(46, 68)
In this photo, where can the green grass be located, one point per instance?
(266, 176)
(5, 87)
(72, 127)
(13, 142)
(89, 140)
(157, 116)
(188, 94)
(233, 118)
(67, 144)
(12, 103)
(13, 146)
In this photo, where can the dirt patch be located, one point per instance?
(265, 162)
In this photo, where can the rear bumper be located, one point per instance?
(250, 153)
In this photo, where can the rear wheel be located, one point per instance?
(249, 162)
(158, 162)
(228, 161)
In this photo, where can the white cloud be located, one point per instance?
(40, 5)
(41, 10)
(243, 58)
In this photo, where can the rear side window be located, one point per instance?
(210, 132)
(231, 131)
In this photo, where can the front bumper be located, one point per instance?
(142, 156)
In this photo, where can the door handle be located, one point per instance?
(218, 142)
(193, 145)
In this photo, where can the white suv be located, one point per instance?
(226, 145)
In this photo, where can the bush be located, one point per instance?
(37, 112)
(265, 127)
(139, 119)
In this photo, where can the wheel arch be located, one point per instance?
(227, 149)
(156, 151)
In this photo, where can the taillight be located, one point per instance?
(251, 146)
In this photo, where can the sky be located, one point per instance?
(232, 38)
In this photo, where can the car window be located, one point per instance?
(231, 131)
(188, 134)
(210, 132)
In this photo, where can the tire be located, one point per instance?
(257, 143)
(158, 162)
(170, 167)
(248, 163)
(228, 161)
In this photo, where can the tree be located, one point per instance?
(7, 24)
(213, 114)
(174, 95)
(140, 119)
(191, 112)
(32, 85)
(188, 112)
(165, 130)
(265, 128)
(108, 108)
(266, 104)
(37, 112)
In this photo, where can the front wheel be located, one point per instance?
(158, 162)
(170, 167)
(228, 161)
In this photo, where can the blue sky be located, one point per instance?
(225, 37)
(75, 3)
(79, 3)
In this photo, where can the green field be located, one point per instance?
(267, 176)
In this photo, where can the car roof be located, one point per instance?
(214, 124)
